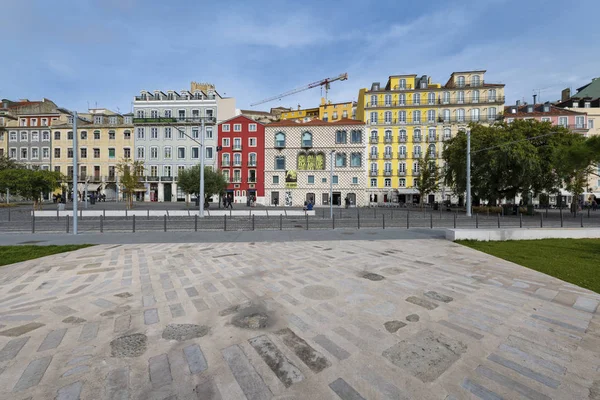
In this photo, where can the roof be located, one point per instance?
(253, 112)
(316, 122)
(538, 111)
(469, 72)
(591, 90)
(239, 116)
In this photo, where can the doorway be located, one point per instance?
(275, 198)
(431, 198)
(325, 199)
(168, 191)
(310, 198)
(402, 199)
(352, 199)
(337, 198)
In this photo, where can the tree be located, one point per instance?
(427, 180)
(9, 163)
(214, 182)
(30, 184)
(130, 178)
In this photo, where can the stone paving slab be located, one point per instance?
(349, 319)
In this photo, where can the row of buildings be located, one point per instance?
(365, 149)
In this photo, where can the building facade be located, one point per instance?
(411, 115)
(300, 113)
(242, 158)
(329, 111)
(167, 129)
(575, 121)
(104, 139)
(298, 157)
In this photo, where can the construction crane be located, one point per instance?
(323, 83)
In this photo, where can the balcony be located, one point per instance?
(251, 180)
(402, 87)
(401, 156)
(402, 139)
(388, 139)
(110, 178)
(96, 178)
(440, 101)
(172, 120)
(237, 148)
(166, 179)
(152, 178)
(373, 156)
(387, 156)
(225, 164)
(252, 163)
(387, 173)
(416, 154)
(236, 179)
(279, 144)
(401, 173)
(373, 140)
(373, 173)
(237, 163)
(417, 139)
(432, 139)
(415, 173)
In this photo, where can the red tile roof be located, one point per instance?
(317, 122)
(538, 111)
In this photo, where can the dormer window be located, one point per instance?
(587, 104)
(97, 119)
(546, 107)
(530, 108)
(460, 81)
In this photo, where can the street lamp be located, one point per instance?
(332, 153)
(468, 172)
(73, 114)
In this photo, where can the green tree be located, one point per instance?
(427, 180)
(30, 184)
(130, 178)
(214, 181)
(9, 163)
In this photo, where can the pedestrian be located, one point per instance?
(224, 201)
(346, 201)
(229, 202)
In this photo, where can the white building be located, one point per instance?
(160, 121)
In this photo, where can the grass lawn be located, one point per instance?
(573, 260)
(14, 254)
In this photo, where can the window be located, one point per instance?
(252, 160)
(237, 127)
(388, 151)
(460, 115)
(587, 104)
(45, 152)
(345, 114)
(252, 127)
(416, 117)
(402, 84)
(23, 153)
(402, 135)
(311, 179)
(431, 116)
(416, 99)
(578, 123)
(225, 159)
(154, 170)
(140, 152)
(340, 137)
(98, 119)
(275, 179)
(180, 133)
(460, 97)
(35, 153)
(195, 114)
(387, 167)
(279, 162)
(195, 133)
(112, 152)
(431, 98)
(446, 97)
(225, 127)
(388, 100)
(447, 133)
(373, 182)
(33, 122)
(475, 114)
(446, 115)
(226, 175)
(355, 159)
(334, 179)
(356, 136)
(13, 152)
(24, 136)
(208, 133)
(168, 133)
(112, 120)
(402, 117)
(195, 152)
(432, 150)
(237, 143)
(373, 100)
(23, 122)
(84, 135)
(112, 135)
(563, 121)
(416, 167)
(373, 117)
(460, 81)
(475, 96)
(335, 115)
(590, 124)
(402, 99)
(340, 159)
(280, 139)
(492, 113)
(96, 152)
(181, 152)
(545, 119)
(402, 182)
(209, 153)
(252, 142)
(154, 152)
(225, 142)
(153, 133)
(140, 133)
(167, 152)
(387, 117)
(181, 114)
(127, 135)
(35, 136)
(417, 151)
(57, 152)
(83, 152)
(402, 150)
(167, 170)
(475, 80)
(401, 167)
(492, 95)
(237, 159)
(323, 180)
(44, 121)
(387, 182)
(307, 139)
(126, 152)
(56, 135)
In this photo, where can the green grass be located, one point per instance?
(14, 254)
(575, 261)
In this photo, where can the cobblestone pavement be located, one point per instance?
(411, 319)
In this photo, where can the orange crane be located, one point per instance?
(323, 83)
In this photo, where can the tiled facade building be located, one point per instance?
(411, 115)
(242, 158)
(298, 158)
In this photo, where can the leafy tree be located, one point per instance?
(130, 177)
(30, 184)
(427, 180)
(9, 163)
(189, 181)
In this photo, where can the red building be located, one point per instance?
(242, 158)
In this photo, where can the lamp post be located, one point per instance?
(73, 114)
(468, 173)
(331, 184)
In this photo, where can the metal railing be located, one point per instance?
(454, 100)
(174, 120)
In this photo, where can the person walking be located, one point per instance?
(229, 202)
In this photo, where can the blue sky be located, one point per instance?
(80, 52)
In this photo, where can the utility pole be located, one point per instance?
(331, 185)
(468, 172)
(201, 195)
(75, 151)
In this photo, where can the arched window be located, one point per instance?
(417, 150)
(402, 117)
(320, 161)
(492, 95)
(402, 135)
(460, 97)
(417, 135)
(374, 151)
(431, 98)
(430, 116)
(431, 150)
(387, 167)
(402, 99)
(475, 96)
(310, 161)
(447, 133)
(374, 167)
(252, 160)
(416, 99)
(446, 115)
(416, 167)
(280, 140)
(387, 116)
(402, 150)
(373, 117)
(460, 115)
(402, 182)
(492, 113)
(475, 80)
(475, 114)
(340, 159)
(402, 166)
(388, 151)
(446, 98)
(460, 81)
(374, 134)
(388, 135)
(237, 159)
(279, 162)
(388, 100)
(373, 100)
(302, 161)
(416, 117)
(307, 139)
(225, 160)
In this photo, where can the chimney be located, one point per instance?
(565, 94)
(518, 103)
(534, 98)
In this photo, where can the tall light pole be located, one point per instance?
(332, 153)
(201, 195)
(468, 173)
(73, 114)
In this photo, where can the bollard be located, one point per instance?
(581, 215)
(224, 222)
(165, 223)
(81, 213)
(561, 218)
(374, 213)
(520, 220)
(104, 213)
(230, 210)
(306, 221)
(280, 221)
(340, 213)
(253, 222)
(431, 220)
(476, 221)
(498, 221)
(454, 220)
(102, 224)
(148, 213)
(407, 220)
(542, 220)
(196, 223)
(358, 219)
(58, 216)
(323, 213)
(126, 214)
(67, 223)
(333, 222)
(33, 222)
(383, 220)
(133, 223)
(9, 215)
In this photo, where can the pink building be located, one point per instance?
(546, 112)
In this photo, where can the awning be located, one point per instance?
(407, 191)
(91, 187)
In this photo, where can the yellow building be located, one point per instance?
(309, 113)
(105, 138)
(327, 111)
(411, 115)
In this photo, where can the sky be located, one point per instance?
(101, 53)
